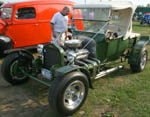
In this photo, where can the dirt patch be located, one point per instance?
(17, 102)
(119, 80)
(99, 111)
(104, 111)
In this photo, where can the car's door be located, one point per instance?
(113, 49)
(24, 30)
(107, 49)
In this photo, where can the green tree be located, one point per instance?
(148, 5)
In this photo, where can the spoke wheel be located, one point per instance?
(11, 69)
(15, 71)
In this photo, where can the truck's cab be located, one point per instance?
(24, 24)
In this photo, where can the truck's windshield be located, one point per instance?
(6, 13)
(92, 19)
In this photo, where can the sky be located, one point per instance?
(137, 2)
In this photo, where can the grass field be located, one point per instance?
(120, 94)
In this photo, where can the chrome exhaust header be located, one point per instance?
(104, 73)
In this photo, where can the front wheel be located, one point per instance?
(67, 94)
(141, 61)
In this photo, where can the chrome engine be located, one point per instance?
(74, 51)
(71, 54)
(73, 44)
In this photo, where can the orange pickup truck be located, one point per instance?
(26, 24)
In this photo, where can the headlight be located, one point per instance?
(40, 48)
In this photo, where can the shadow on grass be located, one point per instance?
(13, 110)
(118, 73)
(140, 25)
(40, 94)
(26, 100)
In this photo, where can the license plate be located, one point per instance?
(47, 73)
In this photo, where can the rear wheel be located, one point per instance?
(141, 61)
(68, 94)
(11, 69)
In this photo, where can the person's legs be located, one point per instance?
(57, 39)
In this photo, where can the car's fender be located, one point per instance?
(22, 53)
(60, 72)
(5, 43)
(144, 40)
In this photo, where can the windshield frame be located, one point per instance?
(97, 21)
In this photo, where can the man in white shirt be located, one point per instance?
(59, 25)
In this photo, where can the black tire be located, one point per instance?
(141, 61)
(57, 100)
(9, 65)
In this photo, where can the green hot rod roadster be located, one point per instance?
(101, 36)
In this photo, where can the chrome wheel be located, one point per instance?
(68, 94)
(74, 95)
(143, 60)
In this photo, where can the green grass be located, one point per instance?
(144, 30)
(120, 94)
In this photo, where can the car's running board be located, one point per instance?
(104, 73)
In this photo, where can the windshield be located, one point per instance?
(6, 13)
(92, 19)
